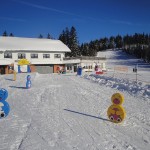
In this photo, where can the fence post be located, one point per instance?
(136, 76)
(114, 73)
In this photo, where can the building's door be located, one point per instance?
(75, 68)
(44, 69)
(2, 70)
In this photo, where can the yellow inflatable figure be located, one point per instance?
(116, 113)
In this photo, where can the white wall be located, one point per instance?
(39, 60)
(87, 63)
(1, 55)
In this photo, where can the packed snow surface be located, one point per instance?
(69, 112)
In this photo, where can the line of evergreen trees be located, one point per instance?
(137, 44)
(69, 37)
(6, 34)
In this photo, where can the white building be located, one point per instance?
(42, 54)
(88, 63)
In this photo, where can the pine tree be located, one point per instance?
(5, 33)
(111, 42)
(73, 43)
(97, 45)
(40, 36)
(11, 34)
(70, 39)
(118, 41)
(104, 42)
(84, 49)
(64, 37)
(126, 43)
(49, 36)
(92, 49)
(146, 39)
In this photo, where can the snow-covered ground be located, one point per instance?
(69, 112)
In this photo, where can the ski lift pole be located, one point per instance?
(114, 73)
(136, 72)
(136, 76)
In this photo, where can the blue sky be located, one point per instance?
(93, 19)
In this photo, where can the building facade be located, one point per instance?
(41, 55)
(87, 63)
(44, 55)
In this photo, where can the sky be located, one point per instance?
(92, 19)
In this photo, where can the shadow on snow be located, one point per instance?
(9, 79)
(18, 87)
(88, 115)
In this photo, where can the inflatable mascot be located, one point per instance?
(116, 112)
(4, 106)
(28, 83)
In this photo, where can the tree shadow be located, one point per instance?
(18, 87)
(88, 115)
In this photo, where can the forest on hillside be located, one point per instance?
(137, 44)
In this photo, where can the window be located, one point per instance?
(21, 55)
(46, 55)
(7, 55)
(69, 67)
(11, 67)
(57, 56)
(34, 55)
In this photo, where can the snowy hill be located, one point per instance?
(69, 112)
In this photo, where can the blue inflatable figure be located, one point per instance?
(4, 106)
(28, 83)
(3, 94)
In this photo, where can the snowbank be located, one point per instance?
(133, 88)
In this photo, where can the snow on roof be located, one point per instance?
(28, 44)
